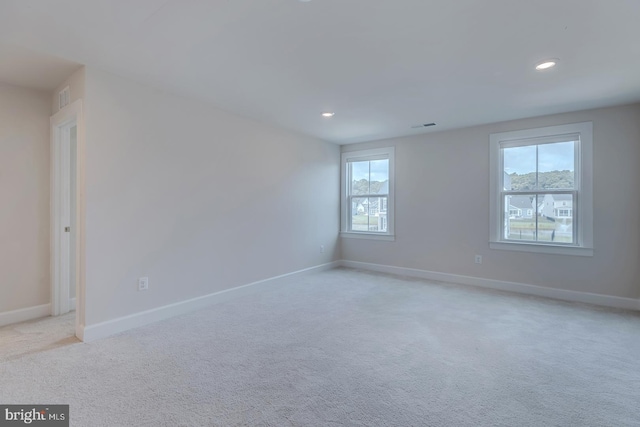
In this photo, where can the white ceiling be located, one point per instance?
(381, 65)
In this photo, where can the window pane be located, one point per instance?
(543, 218)
(380, 176)
(519, 217)
(520, 166)
(369, 214)
(555, 218)
(359, 214)
(359, 178)
(556, 168)
(378, 214)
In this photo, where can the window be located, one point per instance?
(367, 193)
(548, 172)
(565, 213)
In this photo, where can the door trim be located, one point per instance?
(59, 292)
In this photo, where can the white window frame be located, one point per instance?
(583, 209)
(345, 196)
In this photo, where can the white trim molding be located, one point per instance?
(367, 236)
(72, 113)
(520, 288)
(121, 324)
(24, 314)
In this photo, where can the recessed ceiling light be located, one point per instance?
(328, 114)
(546, 64)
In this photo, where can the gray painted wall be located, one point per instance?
(440, 176)
(197, 199)
(24, 197)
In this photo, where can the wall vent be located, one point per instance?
(64, 97)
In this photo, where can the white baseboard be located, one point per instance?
(24, 314)
(521, 288)
(121, 324)
(72, 304)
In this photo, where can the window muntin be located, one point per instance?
(541, 190)
(367, 192)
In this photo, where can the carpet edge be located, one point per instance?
(519, 288)
(110, 327)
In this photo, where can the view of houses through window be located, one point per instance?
(539, 192)
(369, 193)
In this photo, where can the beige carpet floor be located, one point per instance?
(21, 339)
(346, 347)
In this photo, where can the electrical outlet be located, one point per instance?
(478, 259)
(321, 249)
(143, 284)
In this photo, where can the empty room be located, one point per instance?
(319, 212)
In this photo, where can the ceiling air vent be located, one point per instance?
(64, 97)
(425, 125)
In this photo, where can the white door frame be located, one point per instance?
(60, 169)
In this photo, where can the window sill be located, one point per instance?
(367, 236)
(543, 249)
